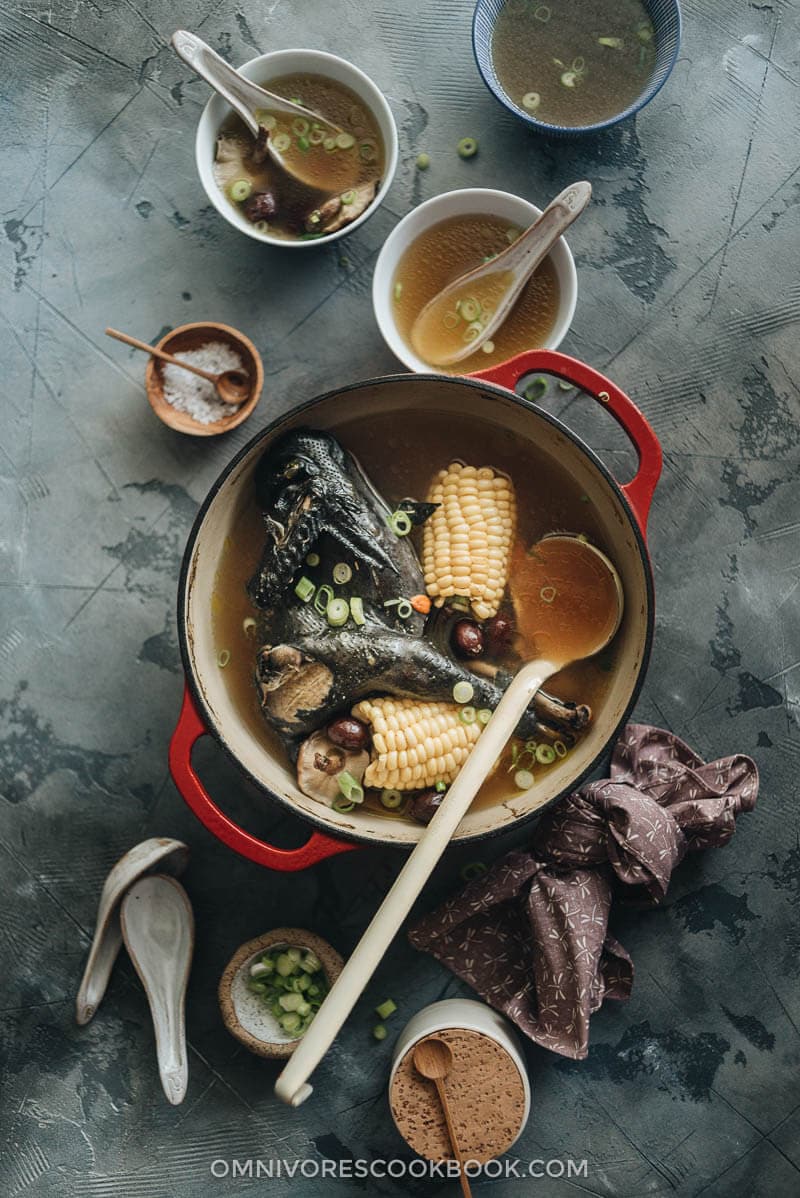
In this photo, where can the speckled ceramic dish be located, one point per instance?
(244, 1014)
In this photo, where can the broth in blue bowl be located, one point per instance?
(569, 67)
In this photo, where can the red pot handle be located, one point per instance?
(189, 729)
(639, 491)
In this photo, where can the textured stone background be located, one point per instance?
(689, 297)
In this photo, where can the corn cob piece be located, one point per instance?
(415, 744)
(467, 542)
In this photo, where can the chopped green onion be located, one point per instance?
(312, 559)
(488, 347)
(545, 755)
(290, 1002)
(265, 119)
(472, 331)
(473, 869)
(305, 589)
(259, 970)
(484, 715)
(467, 147)
(379, 1031)
(614, 43)
(316, 136)
(294, 954)
(645, 32)
(300, 126)
(565, 386)
(291, 1022)
(542, 13)
(239, 190)
(569, 78)
(348, 197)
(423, 162)
(470, 309)
(311, 962)
(547, 594)
(315, 217)
(350, 787)
(536, 389)
(367, 151)
(249, 625)
(322, 598)
(400, 523)
(440, 787)
(531, 101)
(357, 611)
(523, 779)
(285, 965)
(281, 142)
(223, 657)
(560, 748)
(463, 691)
(337, 612)
(261, 226)
(468, 715)
(404, 609)
(386, 1009)
(512, 235)
(391, 800)
(459, 601)
(342, 805)
(579, 65)
(450, 320)
(345, 141)
(303, 143)
(398, 290)
(342, 573)
(329, 143)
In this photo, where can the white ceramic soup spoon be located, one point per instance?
(312, 164)
(470, 310)
(158, 929)
(578, 611)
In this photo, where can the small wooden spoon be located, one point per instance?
(575, 622)
(233, 386)
(433, 1059)
(475, 304)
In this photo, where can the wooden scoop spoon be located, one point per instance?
(233, 386)
(434, 1060)
(470, 310)
(158, 930)
(575, 622)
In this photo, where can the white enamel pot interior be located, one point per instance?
(240, 730)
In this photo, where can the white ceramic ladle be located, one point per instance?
(158, 929)
(577, 621)
(169, 856)
(247, 99)
(468, 312)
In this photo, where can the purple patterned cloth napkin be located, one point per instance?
(531, 934)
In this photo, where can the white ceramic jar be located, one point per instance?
(448, 1019)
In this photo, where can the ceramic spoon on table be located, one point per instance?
(158, 929)
(248, 100)
(159, 851)
(575, 613)
(470, 310)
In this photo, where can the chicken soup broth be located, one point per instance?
(573, 62)
(389, 449)
(451, 248)
(337, 178)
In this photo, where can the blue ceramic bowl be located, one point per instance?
(666, 18)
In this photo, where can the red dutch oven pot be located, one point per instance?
(210, 706)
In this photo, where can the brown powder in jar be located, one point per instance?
(485, 1093)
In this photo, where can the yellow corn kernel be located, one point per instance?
(443, 742)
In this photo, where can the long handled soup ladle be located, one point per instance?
(574, 615)
(233, 386)
(465, 314)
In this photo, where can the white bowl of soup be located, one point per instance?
(326, 84)
(449, 235)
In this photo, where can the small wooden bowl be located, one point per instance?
(190, 337)
(243, 1013)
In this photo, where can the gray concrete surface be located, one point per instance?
(689, 298)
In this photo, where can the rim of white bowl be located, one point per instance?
(431, 212)
(216, 110)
